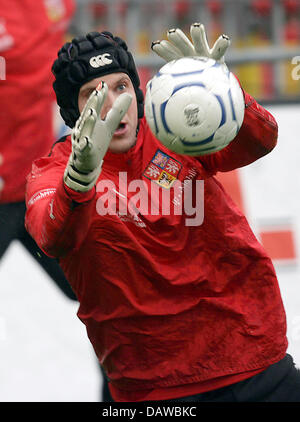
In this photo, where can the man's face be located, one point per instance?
(125, 135)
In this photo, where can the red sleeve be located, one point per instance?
(53, 210)
(256, 138)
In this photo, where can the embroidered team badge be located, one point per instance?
(163, 169)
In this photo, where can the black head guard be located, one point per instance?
(86, 58)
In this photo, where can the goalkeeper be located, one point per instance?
(174, 312)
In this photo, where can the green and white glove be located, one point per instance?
(91, 137)
(178, 45)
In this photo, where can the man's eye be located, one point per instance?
(121, 87)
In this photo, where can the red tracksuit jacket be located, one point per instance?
(171, 309)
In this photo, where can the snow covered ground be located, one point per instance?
(45, 354)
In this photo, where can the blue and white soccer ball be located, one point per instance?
(194, 106)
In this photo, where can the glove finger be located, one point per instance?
(181, 42)
(220, 47)
(87, 130)
(198, 35)
(117, 112)
(166, 50)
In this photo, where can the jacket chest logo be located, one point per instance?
(163, 169)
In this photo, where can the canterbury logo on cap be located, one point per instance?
(101, 60)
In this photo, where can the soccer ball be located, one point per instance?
(194, 106)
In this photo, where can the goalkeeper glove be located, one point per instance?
(91, 137)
